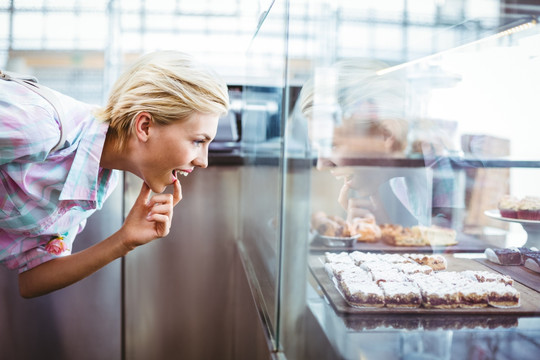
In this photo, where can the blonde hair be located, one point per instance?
(170, 86)
(360, 92)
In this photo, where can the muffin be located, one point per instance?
(529, 208)
(508, 206)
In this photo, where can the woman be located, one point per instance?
(161, 116)
(362, 115)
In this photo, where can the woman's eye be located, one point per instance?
(199, 142)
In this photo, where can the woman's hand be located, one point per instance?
(356, 207)
(150, 217)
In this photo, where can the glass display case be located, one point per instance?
(385, 148)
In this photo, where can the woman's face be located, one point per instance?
(177, 149)
(351, 142)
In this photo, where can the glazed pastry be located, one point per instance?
(532, 262)
(508, 256)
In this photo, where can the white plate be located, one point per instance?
(495, 214)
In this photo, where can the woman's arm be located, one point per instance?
(149, 219)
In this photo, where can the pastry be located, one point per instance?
(401, 294)
(360, 257)
(532, 261)
(388, 275)
(487, 276)
(436, 235)
(508, 206)
(434, 261)
(362, 293)
(369, 232)
(397, 235)
(394, 280)
(341, 257)
(507, 256)
(439, 295)
(501, 295)
(337, 269)
(331, 226)
(472, 295)
(412, 268)
(529, 208)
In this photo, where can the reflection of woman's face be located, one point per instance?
(353, 142)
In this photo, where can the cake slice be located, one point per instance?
(472, 295)
(487, 276)
(439, 296)
(360, 257)
(412, 268)
(435, 293)
(434, 261)
(401, 294)
(337, 269)
(388, 275)
(436, 235)
(362, 293)
(398, 235)
(501, 295)
(342, 257)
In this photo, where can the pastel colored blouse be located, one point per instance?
(47, 195)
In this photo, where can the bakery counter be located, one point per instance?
(420, 332)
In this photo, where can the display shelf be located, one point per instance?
(456, 162)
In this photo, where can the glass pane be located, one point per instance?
(261, 177)
(411, 121)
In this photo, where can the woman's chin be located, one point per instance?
(156, 187)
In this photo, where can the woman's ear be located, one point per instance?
(143, 123)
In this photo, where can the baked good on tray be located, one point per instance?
(362, 293)
(532, 261)
(369, 231)
(414, 280)
(401, 294)
(329, 225)
(473, 295)
(501, 295)
(435, 293)
(509, 256)
(487, 277)
(398, 235)
(436, 235)
(434, 261)
(336, 226)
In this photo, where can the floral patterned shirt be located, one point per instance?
(46, 197)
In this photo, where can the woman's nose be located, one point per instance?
(202, 159)
(325, 163)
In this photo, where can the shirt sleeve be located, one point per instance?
(34, 251)
(29, 128)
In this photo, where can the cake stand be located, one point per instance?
(531, 227)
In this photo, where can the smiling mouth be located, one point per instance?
(180, 172)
